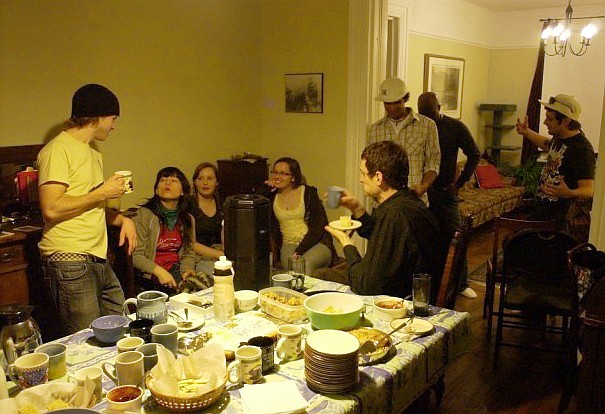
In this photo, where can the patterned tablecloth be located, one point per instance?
(386, 387)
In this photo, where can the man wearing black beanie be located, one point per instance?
(72, 193)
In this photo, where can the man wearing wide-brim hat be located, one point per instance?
(417, 134)
(567, 179)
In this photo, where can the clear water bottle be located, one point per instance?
(224, 296)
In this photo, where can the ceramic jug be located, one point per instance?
(20, 333)
(150, 305)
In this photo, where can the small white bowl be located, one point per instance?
(125, 398)
(246, 300)
(388, 313)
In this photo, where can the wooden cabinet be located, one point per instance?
(242, 176)
(13, 270)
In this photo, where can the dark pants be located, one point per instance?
(443, 203)
(152, 284)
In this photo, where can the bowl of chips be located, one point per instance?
(334, 310)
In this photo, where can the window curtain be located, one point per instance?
(533, 106)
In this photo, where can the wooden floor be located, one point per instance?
(526, 381)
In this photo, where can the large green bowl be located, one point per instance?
(333, 310)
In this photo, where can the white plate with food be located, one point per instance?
(378, 337)
(417, 327)
(338, 225)
(195, 320)
(186, 299)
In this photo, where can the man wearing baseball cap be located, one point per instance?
(417, 134)
(72, 194)
(567, 179)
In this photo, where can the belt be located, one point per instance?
(73, 257)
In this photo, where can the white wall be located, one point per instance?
(580, 76)
(583, 77)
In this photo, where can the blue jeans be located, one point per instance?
(443, 203)
(81, 291)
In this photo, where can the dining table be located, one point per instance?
(389, 385)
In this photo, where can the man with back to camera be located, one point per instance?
(443, 194)
(82, 286)
(415, 133)
(567, 179)
(402, 234)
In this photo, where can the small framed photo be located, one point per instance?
(444, 75)
(304, 92)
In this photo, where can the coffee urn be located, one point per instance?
(247, 240)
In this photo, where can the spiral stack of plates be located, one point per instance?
(331, 365)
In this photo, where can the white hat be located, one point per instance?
(564, 104)
(392, 90)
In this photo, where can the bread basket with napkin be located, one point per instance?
(190, 383)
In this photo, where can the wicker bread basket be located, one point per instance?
(185, 405)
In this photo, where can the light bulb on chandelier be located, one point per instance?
(560, 31)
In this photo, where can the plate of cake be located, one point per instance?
(345, 223)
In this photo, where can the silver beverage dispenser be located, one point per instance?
(246, 229)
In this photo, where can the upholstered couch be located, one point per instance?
(485, 204)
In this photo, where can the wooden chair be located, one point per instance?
(588, 267)
(503, 227)
(536, 283)
(454, 265)
(591, 372)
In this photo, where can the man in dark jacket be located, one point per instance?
(443, 194)
(402, 234)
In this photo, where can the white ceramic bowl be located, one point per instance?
(387, 308)
(246, 300)
(125, 398)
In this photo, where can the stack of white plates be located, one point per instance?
(331, 361)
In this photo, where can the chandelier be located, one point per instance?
(560, 32)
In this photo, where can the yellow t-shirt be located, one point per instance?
(69, 161)
(291, 222)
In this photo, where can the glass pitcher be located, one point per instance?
(20, 333)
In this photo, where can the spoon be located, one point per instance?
(369, 346)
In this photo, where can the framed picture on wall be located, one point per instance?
(304, 92)
(444, 75)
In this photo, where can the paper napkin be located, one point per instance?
(273, 398)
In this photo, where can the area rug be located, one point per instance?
(478, 274)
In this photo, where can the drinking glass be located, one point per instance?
(421, 293)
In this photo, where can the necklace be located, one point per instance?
(289, 200)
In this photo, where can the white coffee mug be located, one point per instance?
(289, 345)
(129, 344)
(247, 367)
(128, 369)
(94, 374)
(288, 281)
(128, 186)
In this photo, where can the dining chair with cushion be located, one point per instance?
(503, 228)
(536, 283)
(454, 265)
